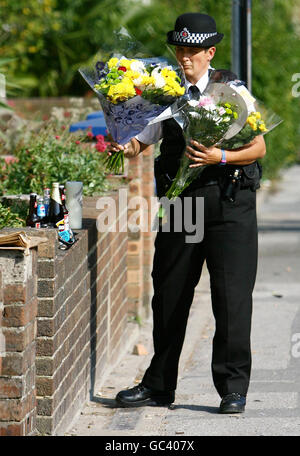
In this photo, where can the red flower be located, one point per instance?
(90, 134)
(121, 68)
(138, 91)
(77, 142)
(57, 137)
(100, 146)
(67, 114)
(63, 127)
(10, 159)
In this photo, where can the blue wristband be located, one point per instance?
(223, 159)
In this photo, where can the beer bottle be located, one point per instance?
(68, 233)
(33, 220)
(65, 210)
(56, 214)
(47, 203)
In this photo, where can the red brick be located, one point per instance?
(134, 291)
(11, 429)
(17, 363)
(17, 339)
(14, 293)
(11, 387)
(20, 315)
(134, 247)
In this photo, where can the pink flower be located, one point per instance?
(10, 159)
(57, 137)
(101, 147)
(77, 142)
(204, 101)
(90, 134)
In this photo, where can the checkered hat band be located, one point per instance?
(192, 37)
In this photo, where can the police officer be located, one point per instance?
(229, 245)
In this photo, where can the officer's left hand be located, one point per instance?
(202, 155)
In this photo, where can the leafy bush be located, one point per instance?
(49, 39)
(54, 155)
(13, 215)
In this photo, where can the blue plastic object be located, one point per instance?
(94, 115)
(98, 126)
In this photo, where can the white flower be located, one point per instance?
(138, 81)
(193, 103)
(138, 66)
(159, 81)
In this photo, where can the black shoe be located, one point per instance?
(233, 403)
(141, 395)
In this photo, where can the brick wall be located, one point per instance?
(65, 315)
(18, 321)
(140, 244)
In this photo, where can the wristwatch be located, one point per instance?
(223, 159)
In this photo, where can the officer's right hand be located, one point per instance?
(130, 149)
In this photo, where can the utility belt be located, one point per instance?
(230, 178)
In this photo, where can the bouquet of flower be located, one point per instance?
(132, 93)
(258, 122)
(218, 114)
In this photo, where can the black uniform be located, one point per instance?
(229, 247)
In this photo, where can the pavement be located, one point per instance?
(273, 400)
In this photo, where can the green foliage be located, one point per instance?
(276, 48)
(13, 215)
(50, 39)
(54, 156)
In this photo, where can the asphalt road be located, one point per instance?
(273, 404)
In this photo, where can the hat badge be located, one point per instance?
(185, 33)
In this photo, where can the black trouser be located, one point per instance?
(229, 247)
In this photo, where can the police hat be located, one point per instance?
(194, 29)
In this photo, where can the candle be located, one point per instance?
(74, 203)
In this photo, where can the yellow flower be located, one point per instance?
(252, 122)
(122, 91)
(125, 63)
(148, 80)
(174, 90)
(262, 127)
(112, 62)
(257, 115)
(165, 72)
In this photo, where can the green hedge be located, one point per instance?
(54, 155)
